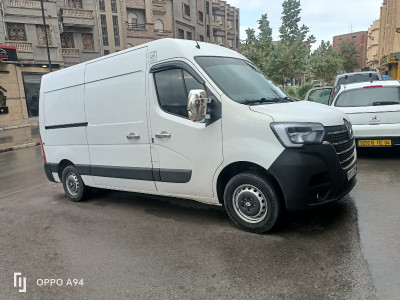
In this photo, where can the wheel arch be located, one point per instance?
(235, 168)
(62, 165)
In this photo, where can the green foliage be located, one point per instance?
(291, 91)
(298, 93)
(325, 63)
(302, 91)
(349, 56)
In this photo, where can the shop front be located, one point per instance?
(390, 65)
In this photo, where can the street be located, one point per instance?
(125, 245)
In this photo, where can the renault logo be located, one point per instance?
(374, 118)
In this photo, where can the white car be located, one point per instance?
(373, 109)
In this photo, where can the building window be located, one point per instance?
(201, 38)
(201, 17)
(102, 6)
(159, 26)
(41, 35)
(104, 31)
(32, 88)
(116, 31)
(186, 11)
(173, 87)
(181, 34)
(106, 52)
(67, 40)
(74, 3)
(88, 42)
(114, 6)
(16, 32)
(353, 38)
(188, 35)
(207, 7)
(208, 30)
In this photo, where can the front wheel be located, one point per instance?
(73, 184)
(252, 202)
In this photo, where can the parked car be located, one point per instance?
(373, 109)
(317, 83)
(348, 78)
(197, 121)
(319, 94)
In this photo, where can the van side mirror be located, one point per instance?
(197, 106)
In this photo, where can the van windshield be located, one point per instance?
(241, 81)
(375, 96)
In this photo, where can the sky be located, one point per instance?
(325, 18)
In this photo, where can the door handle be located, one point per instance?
(163, 135)
(133, 136)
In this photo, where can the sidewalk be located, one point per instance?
(19, 137)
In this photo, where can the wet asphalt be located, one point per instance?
(131, 246)
(19, 134)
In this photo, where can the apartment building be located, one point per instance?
(372, 45)
(212, 21)
(73, 37)
(389, 38)
(360, 43)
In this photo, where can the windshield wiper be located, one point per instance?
(265, 100)
(385, 103)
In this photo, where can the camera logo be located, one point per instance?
(20, 282)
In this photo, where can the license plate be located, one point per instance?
(375, 143)
(352, 172)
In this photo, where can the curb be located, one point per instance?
(20, 146)
(17, 126)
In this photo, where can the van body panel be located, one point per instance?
(247, 135)
(115, 104)
(302, 111)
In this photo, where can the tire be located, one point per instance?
(73, 184)
(252, 202)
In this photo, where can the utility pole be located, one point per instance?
(45, 35)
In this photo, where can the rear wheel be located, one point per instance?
(73, 184)
(252, 202)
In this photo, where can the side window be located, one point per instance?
(173, 88)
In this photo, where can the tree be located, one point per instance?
(291, 54)
(349, 55)
(258, 49)
(325, 63)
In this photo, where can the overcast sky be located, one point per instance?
(325, 18)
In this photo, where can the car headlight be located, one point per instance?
(295, 135)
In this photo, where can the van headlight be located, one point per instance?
(295, 135)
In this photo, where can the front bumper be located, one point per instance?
(311, 176)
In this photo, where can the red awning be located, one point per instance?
(8, 47)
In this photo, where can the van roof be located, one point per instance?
(166, 49)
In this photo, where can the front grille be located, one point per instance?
(343, 143)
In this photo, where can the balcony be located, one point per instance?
(25, 3)
(216, 24)
(70, 52)
(77, 17)
(24, 50)
(136, 27)
(21, 46)
(159, 7)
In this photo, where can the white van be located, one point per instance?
(197, 121)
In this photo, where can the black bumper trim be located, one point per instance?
(311, 176)
(49, 174)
